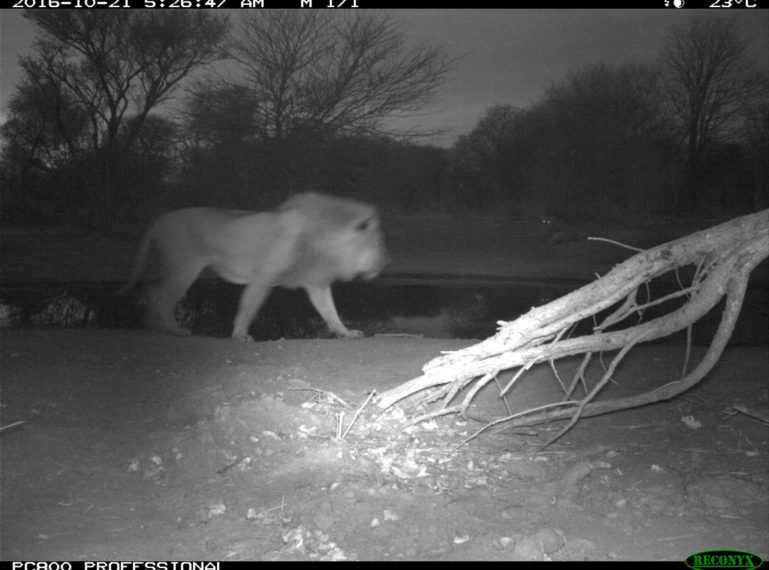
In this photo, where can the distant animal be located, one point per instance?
(310, 241)
(556, 233)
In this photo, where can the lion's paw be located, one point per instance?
(351, 333)
(244, 338)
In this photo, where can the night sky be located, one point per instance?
(508, 56)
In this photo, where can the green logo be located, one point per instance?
(725, 558)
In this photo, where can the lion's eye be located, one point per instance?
(364, 225)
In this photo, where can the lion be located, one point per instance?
(310, 241)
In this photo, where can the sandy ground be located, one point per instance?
(143, 446)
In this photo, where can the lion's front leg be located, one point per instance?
(323, 302)
(250, 301)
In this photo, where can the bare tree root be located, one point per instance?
(724, 257)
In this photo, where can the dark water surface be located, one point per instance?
(412, 304)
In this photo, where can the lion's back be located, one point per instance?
(310, 240)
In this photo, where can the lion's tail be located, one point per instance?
(139, 261)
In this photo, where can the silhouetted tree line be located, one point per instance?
(688, 134)
(302, 101)
(598, 142)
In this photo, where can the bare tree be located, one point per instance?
(42, 137)
(45, 126)
(303, 78)
(710, 78)
(116, 67)
(326, 72)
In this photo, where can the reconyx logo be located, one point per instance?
(710, 559)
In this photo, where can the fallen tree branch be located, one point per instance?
(723, 257)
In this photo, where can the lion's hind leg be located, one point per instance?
(165, 294)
